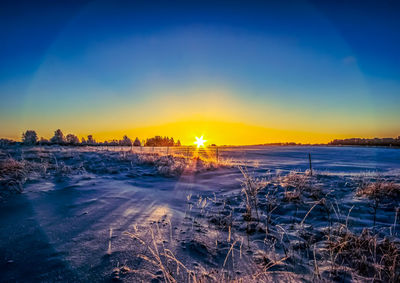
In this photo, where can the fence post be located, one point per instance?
(309, 161)
(217, 153)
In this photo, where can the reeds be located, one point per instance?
(366, 254)
(251, 186)
(379, 189)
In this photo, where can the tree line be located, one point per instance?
(368, 142)
(30, 137)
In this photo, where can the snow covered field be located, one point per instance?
(255, 214)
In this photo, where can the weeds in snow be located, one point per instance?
(378, 189)
(366, 254)
(251, 186)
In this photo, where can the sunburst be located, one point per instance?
(200, 141)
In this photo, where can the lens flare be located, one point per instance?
(200, 141)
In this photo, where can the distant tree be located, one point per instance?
(160, 141)
(367, 142)
(58, 137)
(178, 143)
(29, 137)
(137, 142)
(125, 141)
(90, 140)
(83, 141)
(5, 142)
(72, 139)
(43, 141)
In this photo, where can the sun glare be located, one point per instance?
(200, 141)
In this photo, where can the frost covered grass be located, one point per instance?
(175, 165)
(380, 188)
(258, 235)
(366, 254)
(240, 224)
(14, 173)
(250, 187)
(20, 164)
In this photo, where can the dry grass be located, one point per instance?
(162, 258)
(175, 165)
(172, 270)
(366, 254)
(251, 186)
(11, 166)
(14, 173)
(380, 189)
(166, 165)
(294, 184)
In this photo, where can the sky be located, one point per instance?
(237, 72)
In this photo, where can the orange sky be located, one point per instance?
(217, 113)
(221, 133)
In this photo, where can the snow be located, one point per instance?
(83, 216)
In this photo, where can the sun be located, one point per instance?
(200, 141)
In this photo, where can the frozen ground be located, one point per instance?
(94, 216)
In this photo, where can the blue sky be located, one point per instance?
(321, 67)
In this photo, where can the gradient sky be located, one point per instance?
(239, 72)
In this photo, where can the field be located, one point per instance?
(242, 214)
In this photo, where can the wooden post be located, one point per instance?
(309, 160)
(216, 149)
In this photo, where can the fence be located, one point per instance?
(282, 158)
(186, 151)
